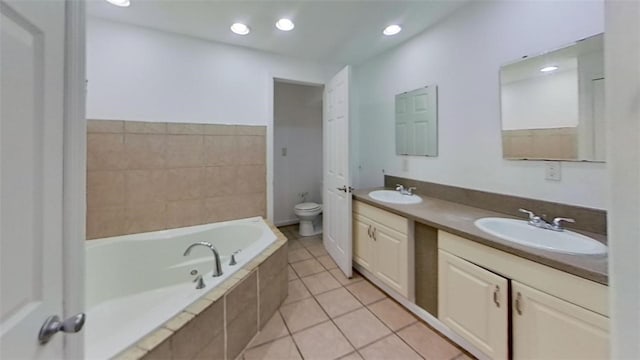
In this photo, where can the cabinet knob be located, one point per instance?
(518, 303)
(496, 296)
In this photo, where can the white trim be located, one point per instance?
(422, 314)
(622, 59)
(74, 175)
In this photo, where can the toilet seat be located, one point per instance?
(307, 207)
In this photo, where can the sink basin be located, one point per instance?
(394, 197)
(519, 231)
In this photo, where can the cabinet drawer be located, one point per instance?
(393, 221)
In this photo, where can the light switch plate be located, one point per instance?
(552, 171)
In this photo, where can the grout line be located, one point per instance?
(365, 306)
(329, 317)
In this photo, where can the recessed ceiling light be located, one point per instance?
(285, 25)
(392, 30)
(549, 68)
(121, 3)
(240, 29)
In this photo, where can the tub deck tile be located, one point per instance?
(154, 339)
(240, 275)
(215, 294)
(179, 321)
(199, 306)
(132, 353)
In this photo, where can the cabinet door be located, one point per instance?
(473, 302)
(362, 242)
(546, 327)
(391, 258)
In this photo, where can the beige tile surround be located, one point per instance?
(555, 143)
(221, 324)
(144, 176)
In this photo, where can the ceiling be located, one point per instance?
(343, 32)
(565, 58)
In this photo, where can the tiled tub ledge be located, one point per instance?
(223, 321)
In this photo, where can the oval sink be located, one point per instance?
(519, 231)
(394, 197)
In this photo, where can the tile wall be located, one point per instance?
(556, 143)
(144, 176)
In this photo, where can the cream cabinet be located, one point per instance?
(473, 302)
(545, 327)
(362, 244)
(554, 315)
(380, 245)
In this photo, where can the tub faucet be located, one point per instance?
(217, 270)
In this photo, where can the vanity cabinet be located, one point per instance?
(362, 242)
(473, 302)
(553, 315)
(380, 245)
(545, 327)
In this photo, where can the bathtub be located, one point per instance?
(135, 283)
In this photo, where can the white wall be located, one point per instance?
(141, 74)
(542, 102)
(298, 128)
(462, 55)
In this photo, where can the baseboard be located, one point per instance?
(286, 222)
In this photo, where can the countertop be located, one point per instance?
(458, 219)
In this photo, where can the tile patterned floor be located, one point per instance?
(328, 316)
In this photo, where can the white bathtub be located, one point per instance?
(135, 283)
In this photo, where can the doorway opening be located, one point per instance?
(297, 156)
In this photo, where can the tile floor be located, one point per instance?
(327, 316)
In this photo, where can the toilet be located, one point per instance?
(310, 222)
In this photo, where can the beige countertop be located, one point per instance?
(458, 219)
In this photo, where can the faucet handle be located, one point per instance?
(399, 187)
(528, 212)
(233, 257)
(557, 223)
(198, 279)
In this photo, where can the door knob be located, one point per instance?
(345, 189)
(53, 324)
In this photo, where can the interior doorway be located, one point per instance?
(297, 150)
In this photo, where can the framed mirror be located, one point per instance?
(416, 114)
(552, 105)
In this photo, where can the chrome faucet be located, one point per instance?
(217, 270)
(539, 222)
(403, 190)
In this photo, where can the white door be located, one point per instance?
(32, 68)
(337, 190)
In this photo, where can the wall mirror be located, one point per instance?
(417, 122)
(552, 104)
